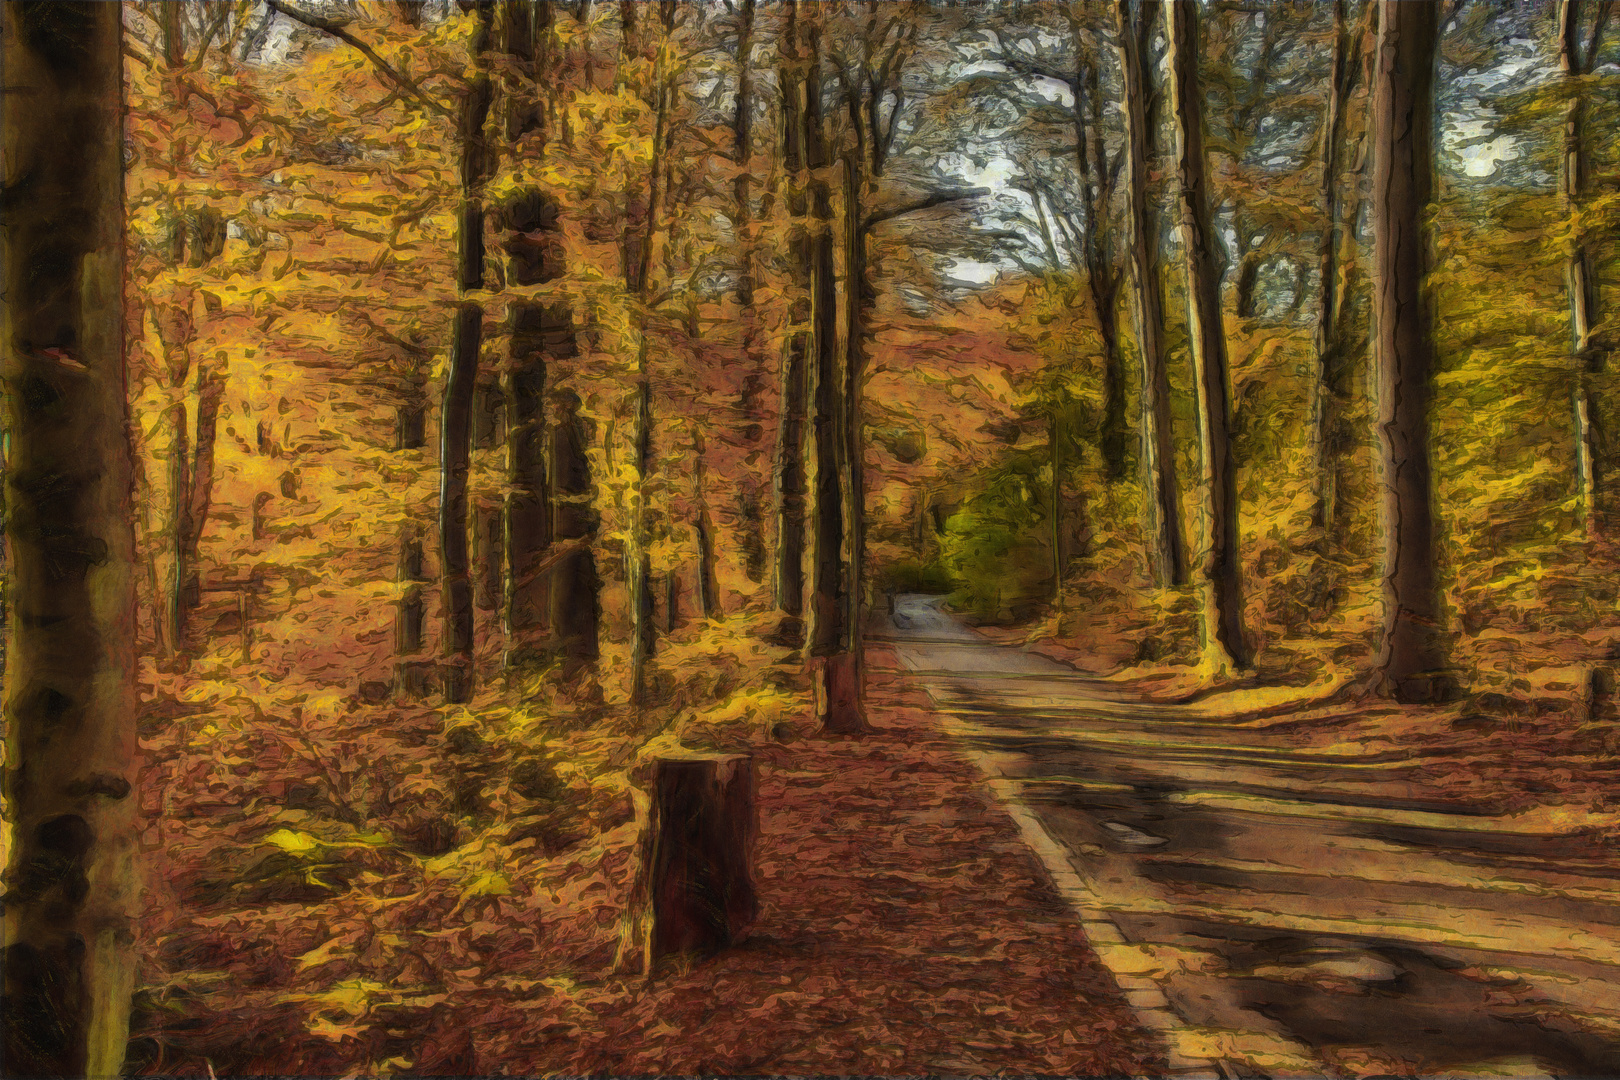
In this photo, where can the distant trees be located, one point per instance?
(70, 885)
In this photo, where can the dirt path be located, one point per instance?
(1308, 901)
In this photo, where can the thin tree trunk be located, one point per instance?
(1158, 444)
(1224, 645)
(643, 632)
(455, 424)
(1059, 556)
(574, 589)
(1327, 399)
(787, 474)
(71, 884)
(707, 585)
(1412, 658)
(1102, 268)
(1579, 277)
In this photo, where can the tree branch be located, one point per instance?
(933, 199)
(335, 28)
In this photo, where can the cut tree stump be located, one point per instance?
(836, 683)
(696, 885)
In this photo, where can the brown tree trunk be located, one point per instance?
(456, 419)
(788, 472)
(1158, 444)
(1060, 559)
(695, 886)
(574, 587)
(1327, 404)
(1412, 658)
(643, 632)
(707, 585)
(1580, 279)
(832, 665)
(71, 884)
(1222, 573)
(193, 497)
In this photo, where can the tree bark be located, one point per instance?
(643, 631)
(456, 420)
(71, 885)
(707, 584)
(193, 495)
(788, 472)
(695, 886)
(1412, 659)
(574, 588)
(1580, 279)
(1158, 444)
(1222, 573)
(833, 668)
(1327, 397)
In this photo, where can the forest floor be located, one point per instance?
(905, 926)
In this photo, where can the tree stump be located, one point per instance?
(836, 680)
(696, 885)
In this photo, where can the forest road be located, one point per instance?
(1306, 906)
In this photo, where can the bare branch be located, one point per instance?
(336, 29)
(927, 202)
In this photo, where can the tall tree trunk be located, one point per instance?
(1579, 277)
(574, 589)
(1412, 658)
(832, 665)
(1102, 266)
(708, 587)
(643, 632)
(787, 473)
(456, 420)
(71, 705)
(1059, 555)
(749, 512)
(193, 494)
(1329, 440)
(1158, 444)
(1224, 646)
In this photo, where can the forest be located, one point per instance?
(450, 445)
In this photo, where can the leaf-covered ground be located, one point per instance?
(905, 929)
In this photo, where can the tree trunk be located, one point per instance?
(1412, 658)
(1158, 444)
(193, 497)
(832, 666)
(1102, 266)
(643, 632)
(707, 585)
(788, 471)
(1580, 279)
(1059, 556)
(538, 334)
(695, 886)
(1327, 405)
(574, 587)
(1222, 572)
(456, 419)
(71, 885)
(456, 452)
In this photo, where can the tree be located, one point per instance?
(1223, 608)
(1412, 654)
(70, 688)
(1134, 25)
(1334, 253)
(1575, 62)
